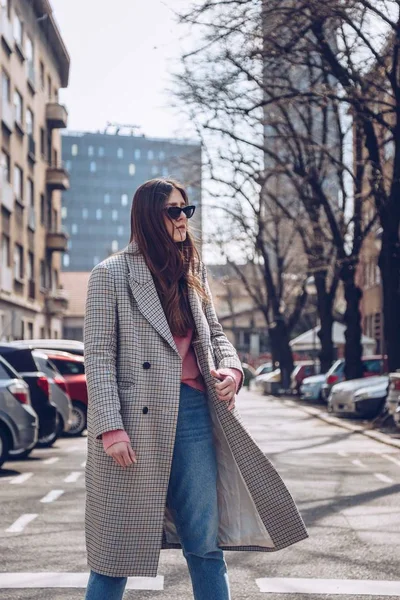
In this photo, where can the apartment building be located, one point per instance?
(34, 65)
(105, 169)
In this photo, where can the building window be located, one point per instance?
(18, 32)
(74, 228)
(124, 199)
(64, 212)
(85, 213)
(138, 154)
(41, 69)
(107, 198)
(93, 167)
(18, 107)
(31, 267)
(49, 87)
(161, 155)
(95, 260)
(5, 87)
(42, 208)
(150, 155)
(18, 183)
(29, 122)
(132, 169)
(99, 214)
(5, 167)
(114, 246)
(120, 153)
(120, 230)
(90, 151)
(5, 251)
(154, 170)
(164, 172)
(101, 151)
(18, 262)
(74, 149)
(30, 190)
(114, 215)
(29, 55)
(66, 260)
(42, 142)
(69, 244)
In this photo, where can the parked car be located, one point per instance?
(21, 358)
(249, 374)
(393, 397)
(59, 391)
(72, 346)
(359, 397)
(72, 368)
(269, 383)
(372, 366)
(311, 388)
(18, 421)
(267, 367)
(300, 372)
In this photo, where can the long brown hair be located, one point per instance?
(174, 265)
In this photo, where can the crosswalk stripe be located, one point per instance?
(394, 460)
(51, 496)
(51, 461)
(21, 523)
(383, 478)
(70, 580)
(74, 476)
(21, 478)
(351, 587)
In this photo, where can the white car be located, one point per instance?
(359, 397)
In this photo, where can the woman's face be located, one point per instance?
(177, 228)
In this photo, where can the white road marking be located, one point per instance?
(74, 476)
(51, 496)
(51, 461)
(73, 449)
(341, 453)
(70, 580)
(356, 587)
(394, 460)
(383, 478)
(21, 478)
(83, 464)
(358, 463)
(21, 523)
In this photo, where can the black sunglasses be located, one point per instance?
(175, 211)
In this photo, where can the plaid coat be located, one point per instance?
(132, 362)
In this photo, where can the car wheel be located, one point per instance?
(4, 444)
(46, 441)
(78, 419)
(20, 455)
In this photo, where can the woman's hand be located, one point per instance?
(225, 388)
(122, 453)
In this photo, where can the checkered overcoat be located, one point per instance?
(132, 362)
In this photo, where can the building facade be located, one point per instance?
(105, 169)
(34, 65)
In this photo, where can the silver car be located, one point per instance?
(359, 397)
(311, 388)
(19, 424)
(393, 397)
(59, 392)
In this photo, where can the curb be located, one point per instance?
(324, 416)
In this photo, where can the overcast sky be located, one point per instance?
(121, 54)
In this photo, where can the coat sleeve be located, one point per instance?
(100, 350)
(225, 354)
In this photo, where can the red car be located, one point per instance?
(72, 367)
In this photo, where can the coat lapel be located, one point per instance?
(145, 293)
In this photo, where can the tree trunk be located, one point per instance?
(280, 341)
(352, 320)
(324, 302)
(389, 263)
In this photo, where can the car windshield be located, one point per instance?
(262, 369)
(69, 367)
(373, 366)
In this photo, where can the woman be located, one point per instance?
(169, 463)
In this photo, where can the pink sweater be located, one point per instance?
(190, 375)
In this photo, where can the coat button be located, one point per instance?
(146, 365)
(145, 410)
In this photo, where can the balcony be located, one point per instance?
(6, 30)
(56, 241)
(56, 115)
(56, 303)
(57, 178)
(7, 196)
(6, 281)
(7, 115)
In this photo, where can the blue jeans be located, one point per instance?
(192, 499)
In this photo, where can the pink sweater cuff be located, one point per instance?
(235, 373)
(112, 437)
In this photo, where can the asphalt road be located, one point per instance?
(347, 487)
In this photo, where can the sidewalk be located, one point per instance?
(391, 438)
